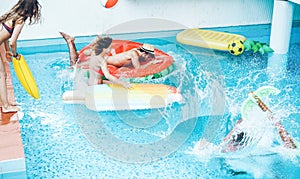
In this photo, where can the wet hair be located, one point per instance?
(101, 43)
(23, 10)
(240, 138)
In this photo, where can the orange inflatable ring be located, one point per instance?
(151, 72)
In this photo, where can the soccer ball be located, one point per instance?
(236, 47)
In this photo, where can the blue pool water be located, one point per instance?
(70, 141)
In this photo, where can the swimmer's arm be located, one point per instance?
(287, 140)
(228, 136)
(285, 137)
(227, 144)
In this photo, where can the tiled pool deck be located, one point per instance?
(12, 159)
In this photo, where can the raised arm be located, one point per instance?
(284, 135)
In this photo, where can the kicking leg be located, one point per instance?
(72, 48)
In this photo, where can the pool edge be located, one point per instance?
(12, 158)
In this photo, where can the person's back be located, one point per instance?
(124, 58)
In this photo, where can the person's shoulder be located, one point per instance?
(135, 51)
(132, 50)
(19, 20)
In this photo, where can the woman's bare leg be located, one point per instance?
(6, 107)
(72, 48)
(3, 50)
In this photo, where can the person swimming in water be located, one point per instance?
(234, 141)
(238, 138)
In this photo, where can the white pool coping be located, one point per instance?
(12, 166)
(295, 1)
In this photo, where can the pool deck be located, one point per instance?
(12, 157)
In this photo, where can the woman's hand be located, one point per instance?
(155, 61)
(17, 56)
(127, 85)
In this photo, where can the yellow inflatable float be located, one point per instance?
(234, 43)
(207, 38)
(25, 77)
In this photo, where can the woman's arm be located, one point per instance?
(94, 77)
(112, 78)
(135, 59)
(94, 67)
(154, 61)
(14, 37)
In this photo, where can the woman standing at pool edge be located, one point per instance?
(11, 27)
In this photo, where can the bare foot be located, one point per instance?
(10, 103)
(67, 37)
(13, 103)
(10, 109)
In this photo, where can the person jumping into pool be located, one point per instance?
(11, 26)
(237, 140)
(132, 57)
(99, 55)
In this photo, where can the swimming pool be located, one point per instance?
(69, 141)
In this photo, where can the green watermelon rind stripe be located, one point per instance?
(153, 76)
(145, 78)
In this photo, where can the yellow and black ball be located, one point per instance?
(236, 47)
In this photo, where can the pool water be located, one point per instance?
(70, 141)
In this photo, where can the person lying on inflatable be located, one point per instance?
(132, 57)
(98, 61)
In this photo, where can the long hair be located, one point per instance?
(101, 43)
(23, 10)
